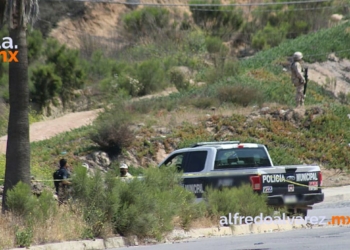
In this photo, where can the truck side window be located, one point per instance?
(175, 160)
(195, 161)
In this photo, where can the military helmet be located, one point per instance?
(297, 56)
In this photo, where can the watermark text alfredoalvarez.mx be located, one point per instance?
(8, 51)
(236, 219)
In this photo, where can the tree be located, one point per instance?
(18, 14)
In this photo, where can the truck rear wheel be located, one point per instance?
(297, 212)
(302, 212)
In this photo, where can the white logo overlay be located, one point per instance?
(8, 51)
(236, 219)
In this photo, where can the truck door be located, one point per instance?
(194, 164)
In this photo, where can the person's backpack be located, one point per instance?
(57, 175)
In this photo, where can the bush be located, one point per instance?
(112, 130)
(228, 70)
(29, 211)
(150, 205)
(20, 201)
(67, 66)
(216, 18)
(196, 42)
(142, 207)
(242, 200)
(100, 66)
(98, 195)
(269, 37)
(178, 78)
(146, 20)
(35, 42)
(242, 95)
(4, 112)
(46, 84)
(204, 102)
(151, 76)
(214, 45)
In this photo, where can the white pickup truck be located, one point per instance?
(231, 163)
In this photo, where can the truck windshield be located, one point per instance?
(241, 158)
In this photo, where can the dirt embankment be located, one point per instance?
(101, 25)
(333, 74)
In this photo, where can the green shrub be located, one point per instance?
(4, 82)
(67, 66)
(214, 45)
(269, 37)
(100, 66)
(149, 205)
(4, 112)
(216, 19)
(204, 102)
(24, 237)
(242, 200)
(238, 94)
(23, 204)
(112, 130)
(151, 76)
(142, 207)
(223, 70)
(46, 84)
(178, 78)
(146, 20)
(20, 200)
(196, 41)
(35, 43)
(98, 195)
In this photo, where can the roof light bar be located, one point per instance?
(215, 143)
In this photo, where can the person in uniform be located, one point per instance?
(298, 79)
(63, 188)
(124, 171)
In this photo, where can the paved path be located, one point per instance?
(46, 129)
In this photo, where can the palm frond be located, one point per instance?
(18, 12)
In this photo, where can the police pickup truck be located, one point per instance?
(231, 163)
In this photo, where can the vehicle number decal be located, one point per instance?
(267, 189)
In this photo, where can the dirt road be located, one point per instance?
(46, 129)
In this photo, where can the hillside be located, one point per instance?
(100, 25)
(205, 88)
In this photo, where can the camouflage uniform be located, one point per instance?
(298, 79)
(63, 193)
(63, 190)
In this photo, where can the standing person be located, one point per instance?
(298, 79)
(62, 186)
(124, 171)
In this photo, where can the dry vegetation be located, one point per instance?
(64, 225)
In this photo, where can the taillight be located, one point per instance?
(256, 182)
(320, 178)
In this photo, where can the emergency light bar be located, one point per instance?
(214, 143)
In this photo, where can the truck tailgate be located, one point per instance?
(290, 181)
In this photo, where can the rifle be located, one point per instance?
(306, 79)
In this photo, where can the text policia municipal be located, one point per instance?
(238, 220)
(273, 178)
